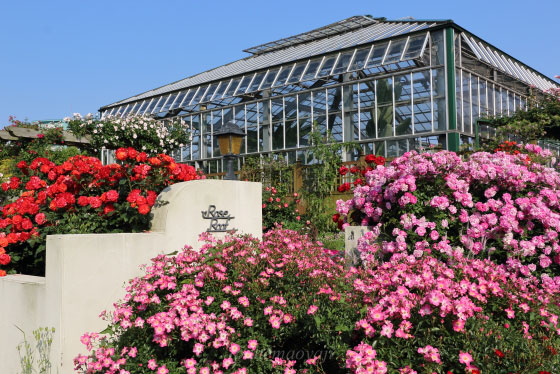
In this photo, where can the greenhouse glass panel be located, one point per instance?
(367, 124)
(474, 98)
(422, 116)
(150, 106)
(505, 108)
(415, 46)
(335, 125)
(283, 75)
(199, 95)
(395, 51)
(244, 84)
(304, 114)
(146, 107)
(311, 69)
(343, 62)
(170, 101)
(498, 100)
(422, 88)
(195, 134)
(402, 87)
(334, 99)
(491, 96)
(376, 57)
(210, 92)
(466, 102)
(178, 100)
(403, 119)
(126, 110)
(220, 90)
(304, 131)
(277, 135)
(206, 148)
(327, 66)
(257, 81)
(290, 106)
(319, 103)
(367, 95)
(384, 90)
(264, 125)
(252, 127)
(298, 71)
(270, 76)
(360, 59)
(188, 97)
(439, 104)
(511, 103)
(240, 121)
(159, 104)
(277, 109)
(232, 87)
(392, 148)
(483, 98)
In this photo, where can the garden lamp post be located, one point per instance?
(229, 138)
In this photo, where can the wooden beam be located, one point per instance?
(4, 135)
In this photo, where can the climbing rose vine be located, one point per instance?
(79, 196)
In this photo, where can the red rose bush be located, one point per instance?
(79, 196)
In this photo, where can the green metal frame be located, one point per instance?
(453, 135)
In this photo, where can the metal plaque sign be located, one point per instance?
(219, 219)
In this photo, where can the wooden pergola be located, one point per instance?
(14, 133)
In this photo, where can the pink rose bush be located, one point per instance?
(500, 206)
(286, 305)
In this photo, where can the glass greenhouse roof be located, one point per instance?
(353, 44)
(346, 38)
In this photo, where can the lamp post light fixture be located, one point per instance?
(229, 139)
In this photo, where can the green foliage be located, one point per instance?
(43, 341)
(540, 119)
(322, 179)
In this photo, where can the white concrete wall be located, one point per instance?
(85, 274)
(22, 299)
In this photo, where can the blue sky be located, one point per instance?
(60, 57)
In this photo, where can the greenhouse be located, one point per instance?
(390, 86)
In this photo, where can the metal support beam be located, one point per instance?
(453, 135)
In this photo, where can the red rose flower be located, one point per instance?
(343, 170)
(94, 202)
(144, 209)
(112, 195)
(83, 201)
(121, 154)
(370, 158)
(141, 157)
(108, 209)
(132, 152)
(40, 218)
(335, 217)
(5, 259)
(499, 353)
(154, 161)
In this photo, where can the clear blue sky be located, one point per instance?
(60, 57)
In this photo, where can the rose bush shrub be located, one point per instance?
(503, 207)
(287, 305)
(143, 133)
(79, 195)
(280, 208)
